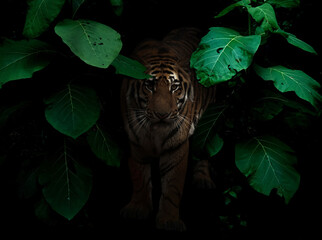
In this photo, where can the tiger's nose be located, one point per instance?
(161, 115)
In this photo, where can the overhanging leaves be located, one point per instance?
(268, 163)
(40, 14)
(264, 15)
(286, 80)
(94, 43)
(20, 59)
(221, 54)
(73, 110)
(67, 183)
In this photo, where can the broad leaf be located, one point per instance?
(264, 15)
(104, 147)
(205, 135)
(73, 110)
(268, 163)
(286, 80)
(40, 14)
(214, 145)
(67, 184)
(20, 59)
(129, 67)
(292, 39)
(94, 43)
(221, 54)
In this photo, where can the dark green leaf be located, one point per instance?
(73, 110)
(66, 183)
(268, 163)
(221, 54)
(292, 39)
(40, 14)
(284, 3)
(76, 5)
(20, 59)
(286, 80)
(231, 7)
(104, 147)
(94, 43)
(118, 6)
(129, 67)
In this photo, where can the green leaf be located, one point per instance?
(214, 145)
(268, 163)
(67, 184)
(242, 3)
(221, 54)
(104, 147)
(264, 15)
(20, 59)
(292, 39)
(205, 129)
(284, 3)
(286, 80)
(73, 110)
(76, 5)
(94, 43)
(40, 14)
(129, 67)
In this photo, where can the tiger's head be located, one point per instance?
(166, 93)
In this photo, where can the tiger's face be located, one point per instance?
(166, 93)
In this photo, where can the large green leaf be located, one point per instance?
(286, 80)
(242, 3)
(94, 43)
(73, 110)
(67, 184)
(104, 147)
(20, 59)
(221, 54)
(40, 14)
(268, 163)
(265, 15)
(129, 67)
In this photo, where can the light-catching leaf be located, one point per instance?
(40, 14)
(129, 67)
(104, 147)
(264, 15)
(67, 184)
(94, 43)
(221, 54)
(20, 59)
(73, 110)
(286, 80)
(292, 39)
(268, 163)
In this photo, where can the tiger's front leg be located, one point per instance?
(173, 167)
(140, 206)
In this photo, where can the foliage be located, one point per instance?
(229, 58)
(72, 108)
(225, 56)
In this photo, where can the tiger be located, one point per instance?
(160, 114)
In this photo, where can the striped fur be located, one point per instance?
(160, 114)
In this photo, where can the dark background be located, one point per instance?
(27, 138)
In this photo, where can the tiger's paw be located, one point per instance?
(176, 225)
(139, 211)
